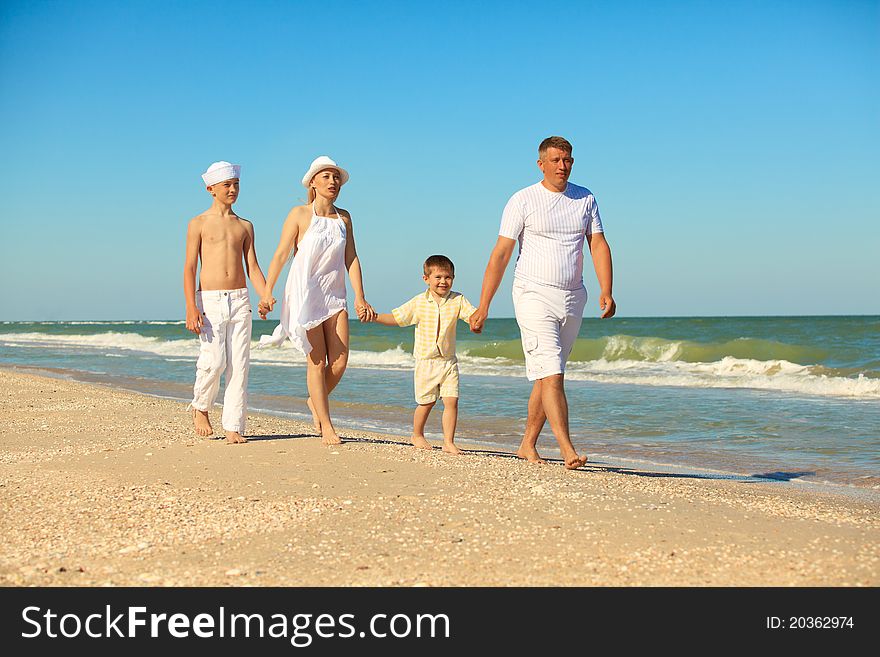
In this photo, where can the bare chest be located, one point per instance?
(218, 237)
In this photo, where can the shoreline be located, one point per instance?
(353, 417)
(109, 487)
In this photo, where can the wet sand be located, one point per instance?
(106, 487)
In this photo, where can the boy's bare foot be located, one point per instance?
(202, 423)
(330, 437)
(420, 442)
(573, 461)
(234, 438)
(315, 421)
(450, 448)
(530, 455)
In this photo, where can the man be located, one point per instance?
(550, 220)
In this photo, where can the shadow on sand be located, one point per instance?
(591, 466)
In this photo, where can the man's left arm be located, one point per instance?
(601, 254)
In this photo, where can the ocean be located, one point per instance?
(777, 398)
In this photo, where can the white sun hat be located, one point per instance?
(319, 164)
(220, 171)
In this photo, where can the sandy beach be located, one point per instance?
(106, 487)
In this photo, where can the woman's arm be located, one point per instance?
(364, 310)
(286, 245)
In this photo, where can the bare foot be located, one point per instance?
(235, 438)
(574, 461)
(450, 448)
(202, 423)
(420, 442)
(530, 455)
(330, 437)
(315, 421)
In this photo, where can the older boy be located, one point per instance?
(435, 314)
(220, 311)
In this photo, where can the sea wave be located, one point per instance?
(665, 367)
(729, 372)
(91, 322)
(658, 350)
(776, 375)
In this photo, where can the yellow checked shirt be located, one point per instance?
(435, 323)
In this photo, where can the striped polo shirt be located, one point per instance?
(435, 322)
(550, 228)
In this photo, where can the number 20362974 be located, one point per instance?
(810, 623)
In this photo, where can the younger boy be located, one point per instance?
(220, 311)
(435, 314)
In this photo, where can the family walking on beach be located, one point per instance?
(550, 219)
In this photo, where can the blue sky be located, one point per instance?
(732, 147)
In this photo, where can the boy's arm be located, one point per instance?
(190, 269)
(466, 309)
(251, 266)
(405, 315)
(387, 319)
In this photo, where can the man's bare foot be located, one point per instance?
(315, 421)
(573, 462)
(530, 455)
(235, 438)
(450, 448)
(330, 437)
(202, 423)
(420, 442)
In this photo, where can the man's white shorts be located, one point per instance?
(549, 320)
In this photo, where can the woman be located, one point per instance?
(313, 310)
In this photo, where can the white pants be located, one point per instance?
(225, 346)
(549, 320)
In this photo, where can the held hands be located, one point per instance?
(194, 320)
(608, 306)
(478, 320)
(364, 310)
(265, 306)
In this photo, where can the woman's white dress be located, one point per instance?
(315, 289)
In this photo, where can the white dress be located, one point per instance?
(315, 289)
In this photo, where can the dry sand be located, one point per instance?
(105, 487)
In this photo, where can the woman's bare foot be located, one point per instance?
(530, 455)
(450, 448)
(420, 442)
(573, 461)
(315, 421)
(201, 423)
(330, 437)
(235, 438)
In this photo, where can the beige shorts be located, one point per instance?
(549, 320)
(435, 377)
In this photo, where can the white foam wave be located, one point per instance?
(729, 372)
(288, 355)
(118, 344)
(653, 349)
(125, 342)
(109, 322)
